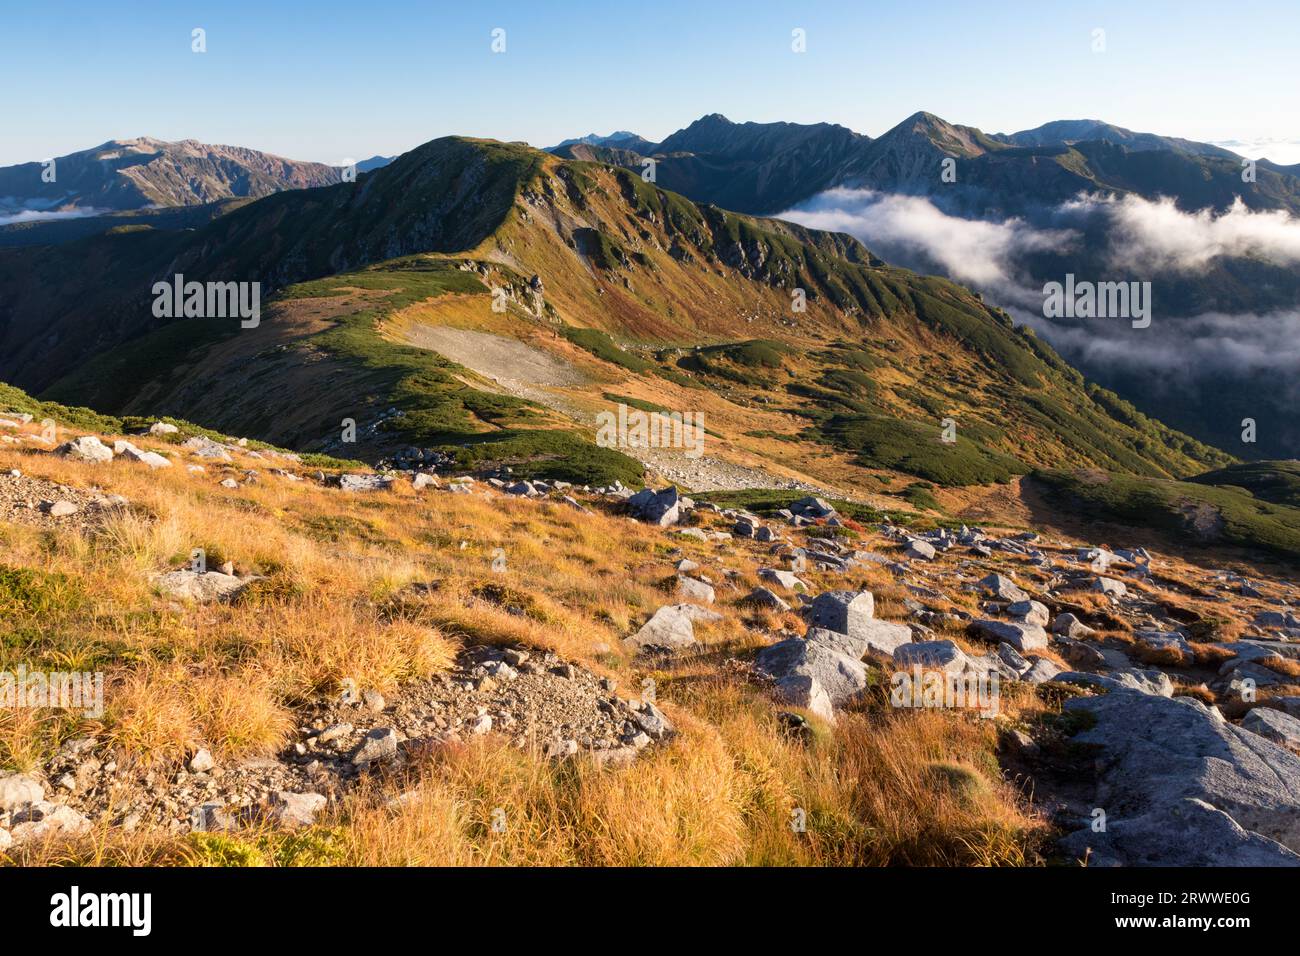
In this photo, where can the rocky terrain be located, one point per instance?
(1136, 708)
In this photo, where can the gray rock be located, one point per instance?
(200, 587)
(800, 667)
(61, 509)
(661, 508)
(366, 482)
(1156, 753)
(921, 550)
(651, 719)
(1042, 671)
(1110, 587)
(784, 579)
(1274, 725)
(212, 818)
(1082, 655)
(1153, 682)
(670, 626)
(379, 744)
(1012, 658)
(933, 655)
(1187, 832)
(163, 428)
(1071, 626)
(841, 611)
(694, 590)
(1023, 637)
(201, 762)
(18, 790)
(1029, 612)
(293, 810)
(1003, 588)
(87, 448)
(874, 637)
(45, 820)
(202, 447)
(763, 597)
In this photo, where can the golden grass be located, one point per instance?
(334, 603)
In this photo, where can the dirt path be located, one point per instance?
(526, 371)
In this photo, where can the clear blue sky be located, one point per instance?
(333, 80)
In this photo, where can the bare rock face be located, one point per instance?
(1157, 754)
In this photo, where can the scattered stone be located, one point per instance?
(293, 810)
(379, 744)
(201, 762)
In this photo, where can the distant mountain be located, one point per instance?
(621, 139)
(749, 167)
(374, 162)
(132, 174)
(765, 168)
(1069, 132)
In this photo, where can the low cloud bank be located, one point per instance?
(1130, 238)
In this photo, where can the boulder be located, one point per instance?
(670, 626)
(1109, 587)
(802, 667)
(1042, 671)
(784, 579)
(933, 655)
(1153, 682)
(873, 637)
(1274, 725)
(661, 507)
(1002, 588)
(1071, 626)
(693, 589)
(1023, 637)
(763, 597)
(201, 587)
(1029, 612)
(163, 428)
(1156, 753)
(293, 810)
(379, 744)
(841, 611)
(18, 790)
(921, 550)
(1187, 832)
(202, 447)
(87, 448)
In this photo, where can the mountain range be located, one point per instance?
(132, 174)
(67, 326)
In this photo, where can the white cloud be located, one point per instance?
(912, 231)
(39, 215)
(1158, 236)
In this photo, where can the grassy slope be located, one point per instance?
(658, 287)
(1188, 510)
